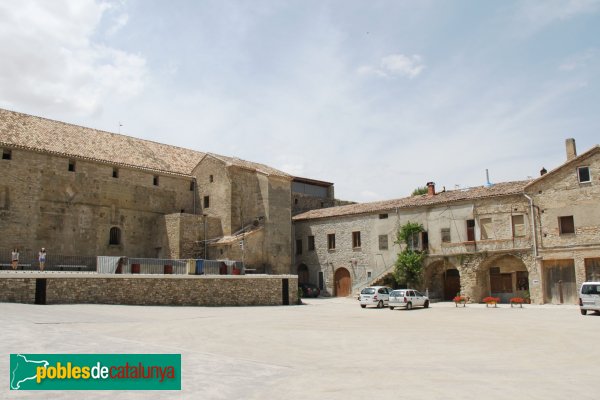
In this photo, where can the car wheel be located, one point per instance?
(391, 308)
(583, 312)
(426, 305)
(409, 306)
(380, 304)
(363, 306)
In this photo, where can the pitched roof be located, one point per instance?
(249, 165)
(574, 160)
(450, 196)
(29, 132)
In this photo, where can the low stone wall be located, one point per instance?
(179, 290)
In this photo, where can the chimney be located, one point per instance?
(430, 189)
(543, 171)
(571, 150)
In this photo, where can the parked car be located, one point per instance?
(407, 298)
(589, 297)
(374, 296)
(309, 290)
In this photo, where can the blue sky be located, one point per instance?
(378, 97)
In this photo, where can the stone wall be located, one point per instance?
(43, 204)
(150, 290)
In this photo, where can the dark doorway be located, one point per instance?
(451, 283)
(303, 274)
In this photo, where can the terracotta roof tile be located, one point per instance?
(479, 192)
(45, 135)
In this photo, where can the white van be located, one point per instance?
(589, 297)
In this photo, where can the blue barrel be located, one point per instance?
(199, 267)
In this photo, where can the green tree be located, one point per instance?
(420, 190)
(409, 263)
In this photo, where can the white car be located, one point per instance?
(407, 298)
(375, 296)
(589, 297)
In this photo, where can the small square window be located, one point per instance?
(331, 241)
(206, 201)
(583, 173)
(355, 239)
(311, 243)
(7, 154)
(211, 179)
(115, 172)
(295, 201)
(71, 166)
(155, 180)
(566, 225)
(486, 228)
(383, 216)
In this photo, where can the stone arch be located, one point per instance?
(442, 279)
(342, 282)
(503, 276)
(303, 274)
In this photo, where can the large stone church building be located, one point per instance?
(81, 191)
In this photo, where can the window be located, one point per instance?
(295, 201)
(566, 225)
(211, 179)
(155, 180)
(485, 225)
(383, 216)
(445, 233)
(470, 230)
(369, 274)
(192, 186)
(206, 201)
(115, 236)
(311, 243)
(298, 246)
(518, 225)
(115, 172)
(71, 166)
(583, 173)
(331, 241)
(418, 241)
(383, 242)
(355, 239)
(6, 154)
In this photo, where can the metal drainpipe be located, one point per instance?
(535, 248)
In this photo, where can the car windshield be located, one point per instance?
(368, 290)
(590, 289)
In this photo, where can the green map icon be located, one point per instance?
(23, 370)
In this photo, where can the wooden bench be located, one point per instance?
(73, 267)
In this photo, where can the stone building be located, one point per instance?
(507, 239)
(81, 191)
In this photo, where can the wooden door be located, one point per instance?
(451, 284)
(559, 282)
(343, 283)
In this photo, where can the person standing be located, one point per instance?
(42, 258)
(15, 258)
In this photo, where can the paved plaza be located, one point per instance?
(327, 349)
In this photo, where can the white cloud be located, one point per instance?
(118, 23)
(50, 60)
(395, 65)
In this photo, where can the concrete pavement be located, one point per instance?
(328, 348)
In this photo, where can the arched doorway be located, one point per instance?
(504, 276)
(303, 273)
(451, 283)
(342, 282)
